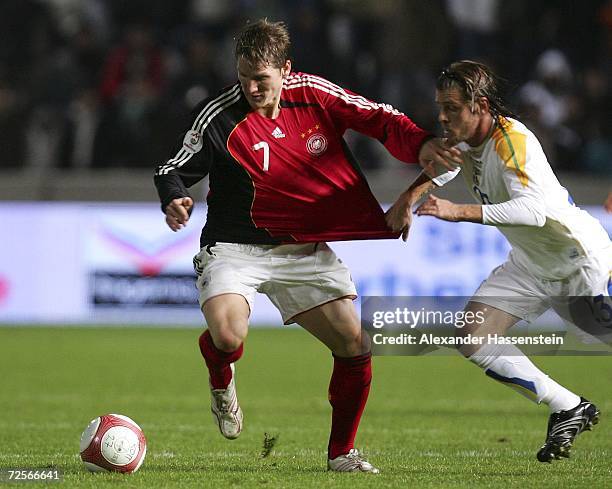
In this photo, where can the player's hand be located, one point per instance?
(436, 151)
(608, 204)
(440, 208)
(177, 213)
(399, 215)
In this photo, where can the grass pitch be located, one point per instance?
(430, 422)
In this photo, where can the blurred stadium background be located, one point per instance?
(93, 94)
(92, 97)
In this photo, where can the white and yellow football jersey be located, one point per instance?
(510, 175)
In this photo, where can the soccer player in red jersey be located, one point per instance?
(282, 182)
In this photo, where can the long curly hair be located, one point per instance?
(475, 80)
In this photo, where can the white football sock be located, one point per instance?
(507, 364)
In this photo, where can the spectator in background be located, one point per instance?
(137, 60)
(162, 16)
(220, 20)
(352, 63)
(12, 120)
(608, 203)
(356, 39)
(132, 81)
(28, 53)
(82, 113)
(28, 32)
(406, 63)
(71, 15)
(597, 90)
(198, 76)
(58, 58)
(596, 156)
(476, 24)
(310, 36)
(194, 75)
(53, 51)
(547, 104)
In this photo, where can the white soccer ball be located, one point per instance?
(113, 443)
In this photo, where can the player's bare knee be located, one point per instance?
(366, 343)
(227, 333)
(352, 344)
(227, 340)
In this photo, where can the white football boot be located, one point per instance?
(351, 462)
(226, 410)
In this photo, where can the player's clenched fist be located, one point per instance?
(177, 212)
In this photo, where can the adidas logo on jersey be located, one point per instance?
(277, 133)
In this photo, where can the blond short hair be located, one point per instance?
(264, 43)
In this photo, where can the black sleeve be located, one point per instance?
(190, 164)
(169, 187)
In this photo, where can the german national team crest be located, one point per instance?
(316, 144)
(192, 143)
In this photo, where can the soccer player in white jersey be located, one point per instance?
(558, 250)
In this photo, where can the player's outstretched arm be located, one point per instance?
(177, 212)
(449, 211)
(399, 215)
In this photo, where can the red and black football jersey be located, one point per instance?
(289, 179)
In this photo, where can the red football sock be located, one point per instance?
(217, 361)
(348, 393)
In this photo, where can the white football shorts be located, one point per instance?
(295, 277)
(512, 288)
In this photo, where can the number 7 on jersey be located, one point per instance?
(266, 153)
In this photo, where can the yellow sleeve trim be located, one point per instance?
(511, 146)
